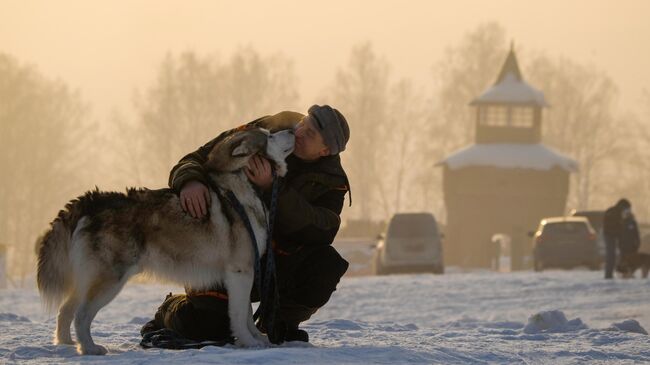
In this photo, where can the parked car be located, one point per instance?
(595, 218)
(412, 243)
(565, 242)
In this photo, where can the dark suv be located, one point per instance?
(565, 242)
(595, 218)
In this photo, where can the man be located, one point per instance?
(307, 219)
(612, 230)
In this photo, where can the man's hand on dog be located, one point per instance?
(259, 172)
(195, 199)
(195, 196)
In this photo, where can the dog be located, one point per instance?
(629, 263)
(101, 239)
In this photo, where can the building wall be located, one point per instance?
(483, 201)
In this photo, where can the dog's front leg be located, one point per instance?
(239, 284)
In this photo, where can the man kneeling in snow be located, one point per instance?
(307, 219)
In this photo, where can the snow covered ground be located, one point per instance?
(555, 317)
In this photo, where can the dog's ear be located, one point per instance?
(242, 149)
(250, 144)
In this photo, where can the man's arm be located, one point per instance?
(189, 179)
(190, 167)
(303, 223)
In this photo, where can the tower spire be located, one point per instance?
(510, 65)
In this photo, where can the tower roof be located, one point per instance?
(510, 156)
(510, 66)
(510, 87)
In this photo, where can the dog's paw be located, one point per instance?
(92, 350)
(262, 338)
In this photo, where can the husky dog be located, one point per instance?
(101, 239)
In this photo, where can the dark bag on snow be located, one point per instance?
(169, 339)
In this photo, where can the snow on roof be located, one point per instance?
(525, 156)
(511, 91)
(510, 87)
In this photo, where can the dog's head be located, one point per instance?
(234, 151)
(280, 145)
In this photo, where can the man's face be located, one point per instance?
(309, 142)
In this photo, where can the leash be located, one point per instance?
(266, 284)
(239, 208)
(270, 300)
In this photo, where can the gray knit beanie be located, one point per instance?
(332, 126)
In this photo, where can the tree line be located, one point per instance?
(54, 148)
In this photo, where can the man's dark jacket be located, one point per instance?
(613, 222)
(310, 199)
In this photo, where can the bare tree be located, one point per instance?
(465, 71)
(255, 84)
(195, 98)
(405, 144)
(629, 176)
(642, 130)
(42, 132)
(122, 151)
(360, 91)
(581, 121)
(388, 124)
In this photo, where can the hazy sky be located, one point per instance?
(106, 49)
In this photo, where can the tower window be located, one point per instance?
(494, 116)
(521, 117)
(506, 116)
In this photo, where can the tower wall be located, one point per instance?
(483, 201)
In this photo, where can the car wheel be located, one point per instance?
(537, 265)
(439, 270)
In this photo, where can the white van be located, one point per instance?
(412, 243)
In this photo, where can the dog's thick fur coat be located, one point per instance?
(101, 239)
(629, 263)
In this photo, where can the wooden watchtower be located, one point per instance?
(507, 180)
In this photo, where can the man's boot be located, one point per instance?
(291, 314)
(296, 335)
(158, 321)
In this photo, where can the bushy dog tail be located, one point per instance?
(54, 274)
